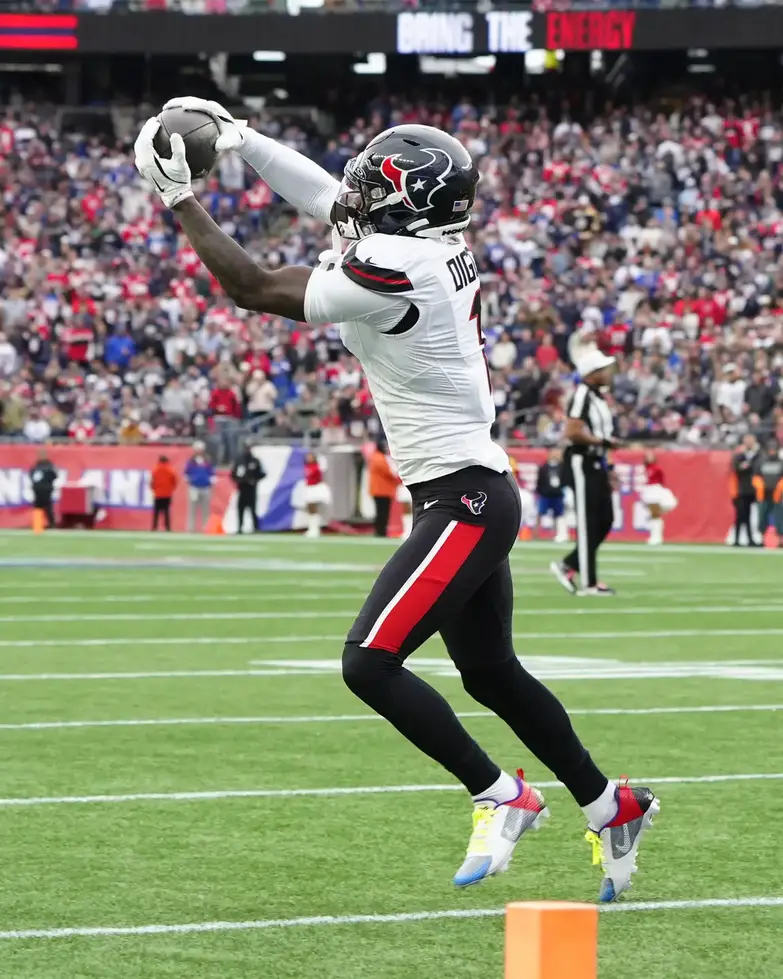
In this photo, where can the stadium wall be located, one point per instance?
(120, 477)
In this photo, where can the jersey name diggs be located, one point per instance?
(462, 269)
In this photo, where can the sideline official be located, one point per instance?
(549, 491)
(247, 474)
(43, 476)
(768, 483)
(743, 492)
(589, 430)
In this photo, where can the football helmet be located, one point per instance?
(409, 180)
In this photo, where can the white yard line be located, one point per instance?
(268, 541)
(158, 674)
(217, 641)
(201, 927)
(221, 616)
(260, 595)
(349, 718)
(353, 790)
(558, 669)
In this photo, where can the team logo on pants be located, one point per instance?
(475, 501)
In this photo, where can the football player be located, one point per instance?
(406, 293)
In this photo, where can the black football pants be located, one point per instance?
(43, 501)
(742, 510)
(161, 508)
(594, 517)
(246, 501)
(452, 576)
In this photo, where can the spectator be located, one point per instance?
(8, 356)
(504, 353)
(261, 396)
(225, 410)
(760, 395)
(119, 349)
(730, 393)
(36, 428)
(176, 401)
(200, 477)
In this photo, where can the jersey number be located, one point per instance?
(475, 314)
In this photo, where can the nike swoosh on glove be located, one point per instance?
(231, 129)
(170, 178)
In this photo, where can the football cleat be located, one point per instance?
(496, 831)
(599, 589)
(616, 845)
(565, 576)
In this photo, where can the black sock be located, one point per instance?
(540, 722)
(419, 713)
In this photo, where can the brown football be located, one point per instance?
(199, 132)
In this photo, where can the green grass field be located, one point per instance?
(175, 731)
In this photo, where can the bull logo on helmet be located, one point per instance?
(416, 175)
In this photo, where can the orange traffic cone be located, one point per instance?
(551, 940)
(525, 533)
(39, 521)
(214, 525)
(770, 537)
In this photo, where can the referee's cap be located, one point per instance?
(591, 359)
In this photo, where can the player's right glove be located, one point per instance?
(231, 129)
(169, 177)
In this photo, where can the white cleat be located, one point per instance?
(496, 831)
(616, 845)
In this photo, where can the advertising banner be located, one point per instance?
(409, 32)
(120, 479)
(699, 480)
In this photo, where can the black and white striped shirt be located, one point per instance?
(588, 405)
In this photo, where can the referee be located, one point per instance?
(586, 470)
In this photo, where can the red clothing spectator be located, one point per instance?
(81, 430)
(547, 355)
(223, 401)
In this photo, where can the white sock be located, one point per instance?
(656, 529)
(503, 789)
(603, 810)
(561, 529)
(314, 524)
(407, 524)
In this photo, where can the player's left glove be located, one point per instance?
(170, 178)
(232, 131)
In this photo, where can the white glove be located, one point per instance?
(170, 178)
(231, 129)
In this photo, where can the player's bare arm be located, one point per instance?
(281, 292)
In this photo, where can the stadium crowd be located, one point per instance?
(662, 229)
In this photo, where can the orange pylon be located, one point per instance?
(551, 940)
(39, 521)
(214, 525)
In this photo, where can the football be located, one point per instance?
(197, 129)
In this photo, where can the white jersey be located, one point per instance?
(410, 311)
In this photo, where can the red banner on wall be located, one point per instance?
(699, 480)
(120, 476)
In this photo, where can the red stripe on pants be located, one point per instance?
(427, 588)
